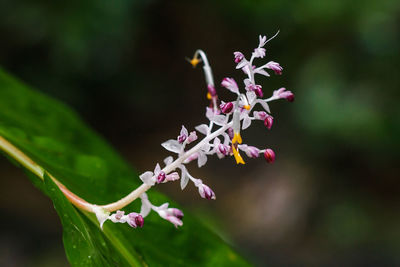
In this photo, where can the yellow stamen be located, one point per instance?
(247, 107)
(209, 96)
(194, 61)
(238, 158)
(237, 139)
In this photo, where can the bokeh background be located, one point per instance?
(332, 196)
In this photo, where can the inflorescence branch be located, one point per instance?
(230, 118)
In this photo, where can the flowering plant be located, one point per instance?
(230, 118)
(222, 137)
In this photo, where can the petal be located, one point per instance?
(202, 128)
(172, 145)
(264, 104)
(168, 160)
(262, 72)
(147, 178)
(216, 142)
(219, 120)
(146, 208)
(246, 122)
(184, 131)
(251, 97)
(184, 179)
(202, 159)
(157, 169)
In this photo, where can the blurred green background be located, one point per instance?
(332, 196)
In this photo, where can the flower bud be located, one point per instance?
(226, 107)
(176, 212)
(269, 155)
(161, 177)
(119, 214)
(252, 152)
(290, 97)
(260, 115)
(269, 120)
(238, 57)
(259, 92)
(182, 135)
(223, 149)
(192, 137)
(135, 220)
(206, 192)
(275, 67)
(172, 177)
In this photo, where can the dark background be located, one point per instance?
(331, 197)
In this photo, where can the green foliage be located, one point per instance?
(54, 137)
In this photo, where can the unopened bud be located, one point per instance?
(176, 212)
(161, 177)
(238, 57)
(269, 120)
(259, 92)
(260, 115)
(226, 107)
(269, 155)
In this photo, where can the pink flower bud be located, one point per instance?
(192, 137)
(226, 107)
(206, 192)
(135, 220)
(282, 93)
(275, 67)
(161, 177)
(290, 96)
(252, 152)
(176, 212)
(238, 57)
(259, 92)
(260, 115)
(183, 135)
(269, 155)
(269, 120)
(223, 149)
(230, 84)
(119, 214)
(172, 177)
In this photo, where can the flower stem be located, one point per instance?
(77, 201)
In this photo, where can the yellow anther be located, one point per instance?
(237, 139)
(247, 107)
(209, 96)
(194, 61)
(238, 158)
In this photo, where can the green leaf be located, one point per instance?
(54, 137)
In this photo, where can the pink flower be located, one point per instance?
(183, 135)
(275, 67)
(251, 151)
(260, 115)
(205, 191)
(259, 52)
(172, 215)
(230, 84)
(282, 93)
(238, 57)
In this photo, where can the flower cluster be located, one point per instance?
(230, 118)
